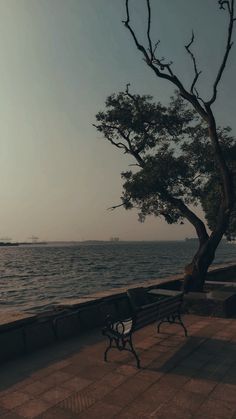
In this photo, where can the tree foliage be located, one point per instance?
(174, 155)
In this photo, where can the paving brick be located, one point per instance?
(57, 413)
(138, 409)
(98, 390)
(74, 368)
(148, 403)
(113, 379)
(127, 370)
(42, 372)
(17, 387)
(55, 395)
(11, 415)
(32, 408)
(146, 343)
(171, 412)
(217, 409)
(76, 383)
(56, 378)
(36, 387)
(186, 400)
(157, 395)
(16, 398)
(149, 375)
(95, 372)
(201, 386)
(126, 392)
(174, 380)
(100, 410)
(77, 403)
(61, 364)
(225, 392)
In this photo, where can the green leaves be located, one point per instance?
(175, 158)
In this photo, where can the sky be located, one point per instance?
(59, 60)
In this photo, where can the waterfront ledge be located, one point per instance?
(24, 333)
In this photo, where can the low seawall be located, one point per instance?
(23, 333)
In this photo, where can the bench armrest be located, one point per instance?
(119, 327)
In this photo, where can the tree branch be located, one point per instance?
(203, 108)
(129, 149)
(159, 67)
(115, 206)
(230, 8)
(197, 73)
(148, 30)
(192, 218)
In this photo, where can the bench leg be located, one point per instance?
(172, 320)
(183, 326)
(134, 352)
(108, 348)
(121, 345)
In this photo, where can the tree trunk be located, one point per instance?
(195, 272)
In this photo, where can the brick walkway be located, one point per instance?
(192, 377)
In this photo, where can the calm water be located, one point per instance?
(37, 277)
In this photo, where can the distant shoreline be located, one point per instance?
(91, 242)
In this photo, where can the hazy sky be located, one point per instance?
(59, 60)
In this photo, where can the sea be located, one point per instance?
(38, 277)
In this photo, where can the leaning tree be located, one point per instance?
(183, 157)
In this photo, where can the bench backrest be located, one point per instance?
(146, 316)
(162, 309)
(137, 297)
(169, 306)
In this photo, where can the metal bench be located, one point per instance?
(170, 309)
(147, 307)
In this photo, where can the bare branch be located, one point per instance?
(127, 149)
(155, 46)
(121, 205)
(148, 30)
(159, 67)
(223, 3)
(197, 73)
(230, 8)
(150, 60)
(116, 144)
(127, 25)
(115, 206)
(132, 97)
